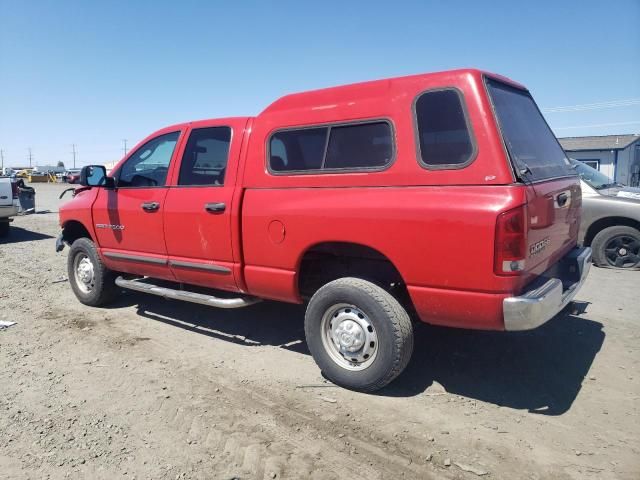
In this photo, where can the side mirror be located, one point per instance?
(95, 176)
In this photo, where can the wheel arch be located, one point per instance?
(73, 230)
(326, 261)
(605, 222)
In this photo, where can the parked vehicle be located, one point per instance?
(445, 195)
(8, 203)
(48, 169)
(72, 175)
(610, 219)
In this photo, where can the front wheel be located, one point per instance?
(358, 334)
(617, 247)
(92, 282)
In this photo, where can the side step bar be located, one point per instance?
(192, 297)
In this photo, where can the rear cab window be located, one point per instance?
(444, 136)
(533, 148)
(344, 147)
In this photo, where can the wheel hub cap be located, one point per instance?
(349, 337)
(85, 277)
(85, 270)
(622, 252)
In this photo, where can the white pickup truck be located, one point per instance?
(8, 203)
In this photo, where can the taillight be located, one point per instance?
(511, 242)
(14, 189)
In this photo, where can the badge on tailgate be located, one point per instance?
(536, 248)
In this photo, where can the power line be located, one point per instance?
(593, 106)
(613, 124)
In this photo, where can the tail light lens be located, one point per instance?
(14, 189)
(511, 242)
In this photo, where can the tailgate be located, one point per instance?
(553, 190)
(554, 217)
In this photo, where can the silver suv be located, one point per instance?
(610, 222)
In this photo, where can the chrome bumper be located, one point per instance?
(8, 211)
(543, 302)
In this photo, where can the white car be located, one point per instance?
(8, 203)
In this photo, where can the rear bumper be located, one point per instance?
(8, 211)
(548, 295)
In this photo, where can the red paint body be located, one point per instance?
(437, 227)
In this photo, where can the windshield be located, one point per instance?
(591, 176)
(534, 150)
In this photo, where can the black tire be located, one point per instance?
(102, 288)
(391, 326)
(617, 247)
(4, 229)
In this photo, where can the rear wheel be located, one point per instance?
(617, 247)
(92, 282)
(358, 334)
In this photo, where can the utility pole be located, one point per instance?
(73, 146)
(124, 140)
(30, 157)
(2, 160)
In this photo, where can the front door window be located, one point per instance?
(148, 166)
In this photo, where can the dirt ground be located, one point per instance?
(150, 388)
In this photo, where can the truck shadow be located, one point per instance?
(540, 371)
(17, 234)
(267, 323)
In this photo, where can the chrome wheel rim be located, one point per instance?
(84, 273)
(349, 337)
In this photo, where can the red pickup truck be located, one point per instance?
(442, 197)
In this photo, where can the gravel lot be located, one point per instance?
(150, 388)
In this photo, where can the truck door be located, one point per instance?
(128, 220)
(198, 214)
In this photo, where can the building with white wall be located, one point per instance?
(617, 156)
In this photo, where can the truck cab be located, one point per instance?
(440, 197)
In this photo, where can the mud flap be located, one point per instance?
(59, 243)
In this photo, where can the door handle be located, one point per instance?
(215, 207)
(562, 199)
(150, 206)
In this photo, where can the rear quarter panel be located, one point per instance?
(598, 207)
(437, 237)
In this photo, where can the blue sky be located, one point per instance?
(94, 73)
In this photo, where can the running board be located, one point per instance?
(192, 297)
